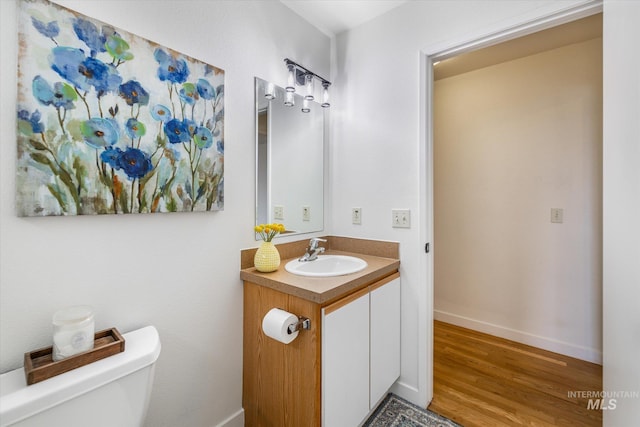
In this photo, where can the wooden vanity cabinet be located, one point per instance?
(331, 375)
(281, 382)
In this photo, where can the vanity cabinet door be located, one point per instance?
(345, 361)
(385, 336)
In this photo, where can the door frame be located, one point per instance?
(428, 57)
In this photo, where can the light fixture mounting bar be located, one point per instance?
(307, 71)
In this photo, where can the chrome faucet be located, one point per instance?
(313, 250)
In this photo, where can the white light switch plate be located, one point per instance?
(278, 212)
(401, 218)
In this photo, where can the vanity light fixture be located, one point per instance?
(301, 76)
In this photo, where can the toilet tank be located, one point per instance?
(111, 392)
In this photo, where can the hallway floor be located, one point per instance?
(482, 380)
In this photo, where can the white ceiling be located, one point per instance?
(335, 16)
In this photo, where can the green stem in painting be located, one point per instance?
(61, 120)
(173, 108)
(84, 100)
(204, 114)
(139, 197)
(100, 107)
(65, 176)
(133, 183)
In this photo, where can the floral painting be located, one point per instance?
(111, 123)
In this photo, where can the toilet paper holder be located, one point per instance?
(302, 323)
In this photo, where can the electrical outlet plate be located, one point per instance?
(306, 213)
(401, 218)
(557, 215)
(356, 216)
(278, 212)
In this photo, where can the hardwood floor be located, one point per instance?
(482, 380)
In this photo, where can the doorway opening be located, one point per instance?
(502, 241)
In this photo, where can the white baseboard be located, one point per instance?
(579, 352)
(235, 420)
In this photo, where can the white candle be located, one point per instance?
(73, 331)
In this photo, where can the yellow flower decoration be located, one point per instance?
(268, 231)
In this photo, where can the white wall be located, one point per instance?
(621, 190)
(511, 141)
(179, 272)
(375, 144)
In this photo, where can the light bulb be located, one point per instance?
(291, 78)
(305, 106)
(269, 93)
(289, 99)
(325, 95)
(309, 84)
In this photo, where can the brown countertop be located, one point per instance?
(323, 290)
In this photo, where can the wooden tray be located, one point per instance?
(39, 364)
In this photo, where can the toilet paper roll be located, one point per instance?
(275, 324)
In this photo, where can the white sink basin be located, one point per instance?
(326, 266)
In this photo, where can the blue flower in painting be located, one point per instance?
(42, 91)
(30, 123)
(191, 126)
(60, 96)
(64, 96)
(177, 131)
(66, 61)
(134, 93)
(114, 125)
(72, 65)
(104, 78)
(50, 29)
(161, 113)
(134, 163)
(99, 132)
(89, 34)
(110, 156)
(135, 129)
(205, 89)
(188, 93)
(171, 69)
(203, 137)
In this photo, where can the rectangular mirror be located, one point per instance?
(289, 161)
